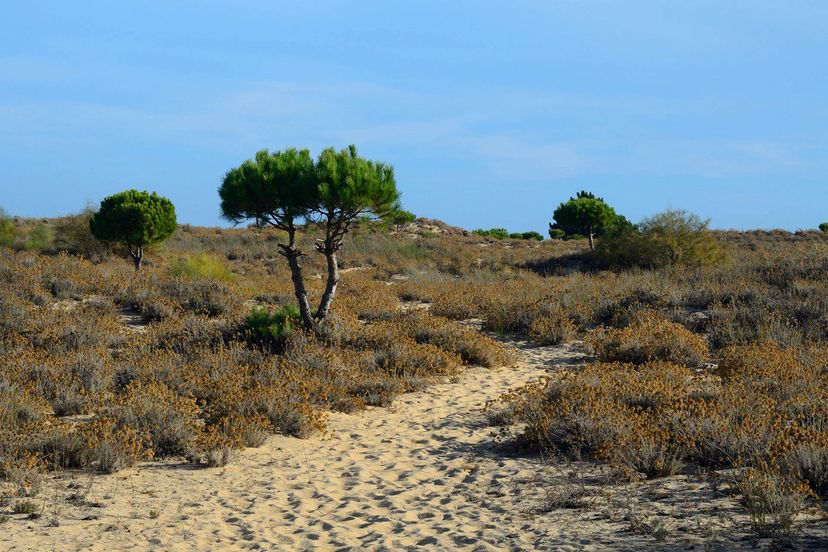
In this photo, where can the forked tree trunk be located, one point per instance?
(330, 286)
(591, 241)
(137, 255)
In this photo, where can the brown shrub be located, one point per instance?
(165, 420)
(650, 337)
(552, 329)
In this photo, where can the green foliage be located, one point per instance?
(673, 237)
(351, 186)
(201, 266)
(584, 215)
(274, 188)
(334, 192)
(134, 218)
(281, 187)
(400, 218)
(556, 233)
(496, 233)
(40, 238)
(7, 231)
(570, 237)
(502, 234)
(531, 235)
(273, 326)
(824, 227)
(589, 216)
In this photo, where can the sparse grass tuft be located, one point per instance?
(201, 265)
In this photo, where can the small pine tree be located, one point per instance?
(585, 215)
(400, 218)
(135, 219)
(556, 233)
(335, 192)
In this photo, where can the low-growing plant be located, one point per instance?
(273, 326)
(496, 233)
(552, 328)
(166, 420)
(73, 235)
(564, 495)
(772, 501)
(647, 338)
(40, 238)
(201, 265)
(26, 507)
(473, 348)
(557, 233)
(7, 229)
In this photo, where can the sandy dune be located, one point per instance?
(421, 475)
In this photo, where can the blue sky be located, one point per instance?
(491, 112)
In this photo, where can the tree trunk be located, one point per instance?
(299, 285)
(330, 286)
(137, 256)
(591, 241)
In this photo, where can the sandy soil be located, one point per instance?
(427, 473)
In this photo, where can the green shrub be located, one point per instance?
(202, 265)
(557, 234)
(496, 233)
(7, 231)
(400, 218)
(273, 326)
(574, 237)
(40, 238)
(669, 238)
(824, 227)
(531, 235)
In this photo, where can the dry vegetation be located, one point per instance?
(103, 367)
(715, 366)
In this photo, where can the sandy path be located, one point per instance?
(415, 475)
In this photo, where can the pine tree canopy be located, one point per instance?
(135, 218)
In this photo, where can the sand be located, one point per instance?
(426, 473)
